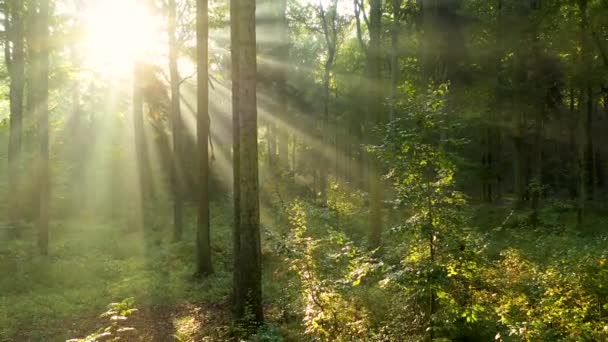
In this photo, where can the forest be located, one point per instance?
(303, 170)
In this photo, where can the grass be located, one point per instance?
(95, 262)
(92, 264)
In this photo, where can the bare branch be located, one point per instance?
(358, 22)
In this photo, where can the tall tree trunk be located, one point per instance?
(236, 151)
(537, 172)
(395, 68)
(375, 113)
(585, 111)
(328, 24)
(492, 128)
(140, 149)
(43, 126)
(15, 62)
(539, 108)
(176, 121)
(271, 140)
(283, 56)
(323, 164)
(519, 160)
(203, 239)
(572, 143)
(591, 155)
(248, 272)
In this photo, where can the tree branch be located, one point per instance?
(358, 8)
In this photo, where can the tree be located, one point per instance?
(374, 109)
(282, 56)
(41, 105)
(140, 147)
(204, 266)
(15, 62)
(328, 18)
(395, 31)
(248, 267)
(176, 122)
(586, 110)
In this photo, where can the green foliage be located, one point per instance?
(115, 326)
(330, 270)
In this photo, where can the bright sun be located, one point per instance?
(120, 32)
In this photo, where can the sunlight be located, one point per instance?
(344, 6)
(119, 32)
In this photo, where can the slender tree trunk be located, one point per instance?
(591, 155)
(519, 162)
(539, 108)
(43, 127)
(585, 111)
(176, 121)
(271, 140)
(203, 239)
(248, 271)
(140, 150)
(15, 62)
(537, 172)
(283, 56)
(328, 23)
(395, 57)
(294, 150)
(375, 113)
(573, 145)
(492, 130)
(236, 151)
(323, 166)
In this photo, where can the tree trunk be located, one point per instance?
(492, 129)
(271, 140)
(236, 152)
(395, 57)
(519, 162)
(537, 172)
(539, 108)
(15, 62)
(591, 155)
(248, 271)
(176, 121)
(375, 113)
(283, 55)
(585, 112)
(140, 149)
(203, 239)
(328, 24)
(43, 126)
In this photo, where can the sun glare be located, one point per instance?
(119, 32)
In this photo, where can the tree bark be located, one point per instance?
(236, 149)
(176, 121)
(41, 104)
(248, 270)
(375, 113)
(203, 239)
(585, 112)
(283, 133)
(15, 62)
(395, 68)
(140, 149)
(328, 24)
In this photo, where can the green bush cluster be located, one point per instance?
(441, 274)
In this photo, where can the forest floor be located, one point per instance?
(93, 263)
